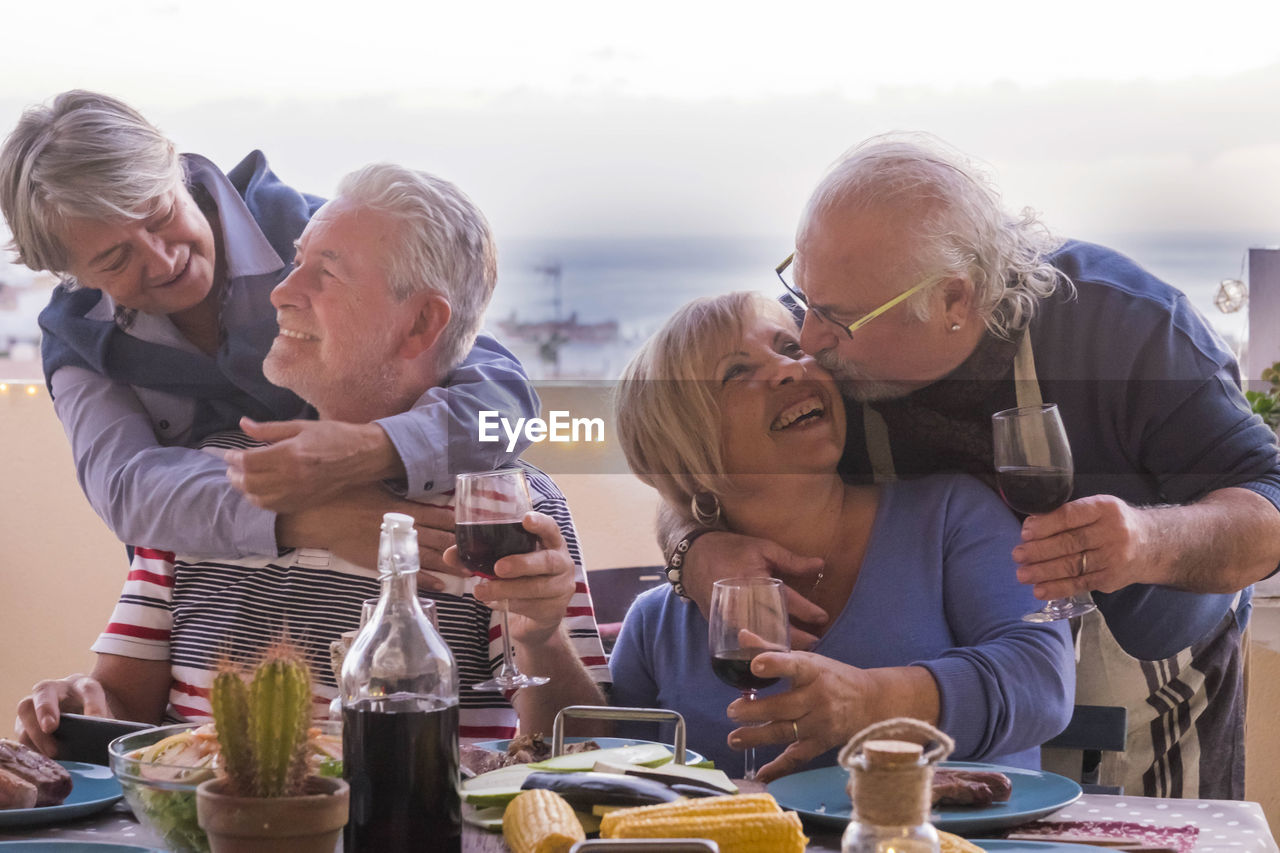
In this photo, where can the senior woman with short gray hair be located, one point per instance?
(920, 614)
(157, 334)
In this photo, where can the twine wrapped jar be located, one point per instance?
(890, 784)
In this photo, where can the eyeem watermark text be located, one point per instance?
(560, 427)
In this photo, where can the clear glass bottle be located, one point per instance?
(399, 691)
(890, 786)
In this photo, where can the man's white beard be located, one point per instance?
(369, 386)
(854, 386)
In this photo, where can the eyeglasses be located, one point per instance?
(849, 328)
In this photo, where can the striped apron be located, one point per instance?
(1186, 713)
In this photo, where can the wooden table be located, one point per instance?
(1226, 826)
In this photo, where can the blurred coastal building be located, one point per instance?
(22, 294)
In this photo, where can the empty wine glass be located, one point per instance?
(489, 513)
(1035, 475)
(748, 617)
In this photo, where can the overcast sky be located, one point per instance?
(659, 118)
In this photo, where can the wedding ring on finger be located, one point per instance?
(795, 729)
(1084, 563)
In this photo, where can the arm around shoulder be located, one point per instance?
(145, 492)
(439, 436)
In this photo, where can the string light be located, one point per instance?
(1232, 296)
(21, 388)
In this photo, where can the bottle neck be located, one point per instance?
(401, 588)
(398, 564)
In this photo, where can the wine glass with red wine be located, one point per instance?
(748, 617)
(1035, 475)
(489, 510)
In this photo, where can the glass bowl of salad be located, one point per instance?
(160, 768)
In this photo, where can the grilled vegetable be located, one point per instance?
(714, 782)
(495, 788)
(648, 754)
(489, 819)
(748, 823)
(584, 790)
(538, 821)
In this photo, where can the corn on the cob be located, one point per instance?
(739, 824)
(955, 844)
(540, 821)
(697, 807)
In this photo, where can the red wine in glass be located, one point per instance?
(748, 617)
(483, 543)
(734, 669)
(1034, 491)
(489, 510)
(1035, 475)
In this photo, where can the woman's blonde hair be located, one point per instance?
(665, 405)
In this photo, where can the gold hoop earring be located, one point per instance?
(704, 517)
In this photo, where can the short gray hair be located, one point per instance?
(83, 155)
(958, 222)
(665, 404)
(445, 246)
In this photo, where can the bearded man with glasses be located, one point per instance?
(934, 309)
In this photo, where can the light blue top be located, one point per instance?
(936, 589)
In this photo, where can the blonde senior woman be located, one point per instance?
(919, 609)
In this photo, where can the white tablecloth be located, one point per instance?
(1226, 826)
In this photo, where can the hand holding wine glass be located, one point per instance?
(1035, 475)
(748, 617)
(490, 508)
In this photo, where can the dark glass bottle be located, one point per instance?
(400, 716)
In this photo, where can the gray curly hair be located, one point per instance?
(959, 224)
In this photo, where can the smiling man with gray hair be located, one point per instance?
(156, 337)
(388, 289)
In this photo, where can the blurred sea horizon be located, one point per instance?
(637, 282)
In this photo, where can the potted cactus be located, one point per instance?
(264, 798)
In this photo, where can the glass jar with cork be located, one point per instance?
(890, 781)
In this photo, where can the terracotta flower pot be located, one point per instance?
(311, 823)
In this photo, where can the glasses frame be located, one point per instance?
(857, 324)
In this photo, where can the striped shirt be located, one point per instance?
(197, 613)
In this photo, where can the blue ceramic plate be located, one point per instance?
(72, 847)
(93, 788)
(820, 796)
(690, 757)
(1004, 845)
